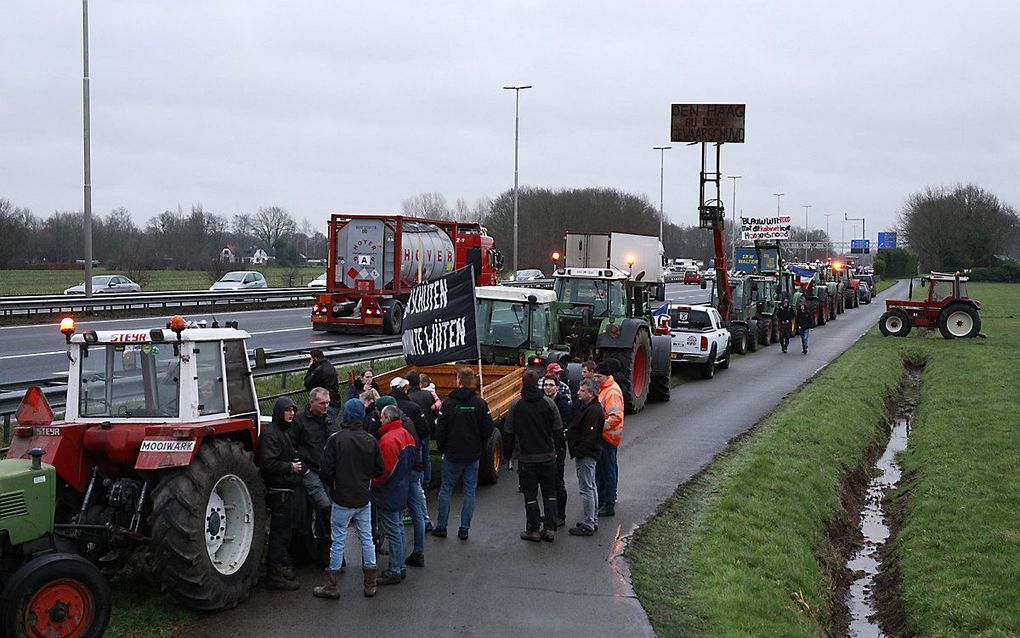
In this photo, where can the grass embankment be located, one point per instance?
(884, 284)
(737, 548)
(54, 282)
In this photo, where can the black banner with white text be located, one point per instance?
(439, 321)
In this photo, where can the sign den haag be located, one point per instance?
(776, 227)
(721, 123)
(439, 324)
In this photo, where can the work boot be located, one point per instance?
(607, 512)
(389, 578)
(439, 532)
(547, 535)
(581, 530)
(370, 574)
(531, 535)
(287, 571)
(331, 589)
(277, 581)
(415, 559)
(462, 534)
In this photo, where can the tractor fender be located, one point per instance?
(177, 445)
(624, 339)
(555, 356)
(63, 447)
(661, 358)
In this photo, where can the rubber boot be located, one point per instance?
(277, 581)
(370, 574)
(331, 589)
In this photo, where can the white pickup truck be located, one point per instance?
(699, 338)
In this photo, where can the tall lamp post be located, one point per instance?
(87, 218)
(662, 175)
(779, 197)
(827, 242)
(733, 233)
(806, 207)
(864, 232)
(517, 132)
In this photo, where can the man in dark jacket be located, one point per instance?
(533, 421)
(310, 431)
(322, 374)
(785, 315)
(559, 392)
(584, 437)
(424, 400)
(805, 322)
(350, 460)
(391, 487)
(281, 475)
(462, 430)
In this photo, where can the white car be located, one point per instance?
(240, 280)
(699, 337)
(106, 284)
(318, 282)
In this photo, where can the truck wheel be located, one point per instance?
(209, 526)
(959, 321)
(393, 321)
(708, 368)
(725, 363)
(659, 388)
(55, 595)
(738, 336)
(894, 323)
(488, 468)
(634, 375)
(752, 335)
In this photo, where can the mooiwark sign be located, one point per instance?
(753, 228)
(439, 322)
(746, 260)
(722, 123)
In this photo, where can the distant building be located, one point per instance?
(260, 256)
(229, 254)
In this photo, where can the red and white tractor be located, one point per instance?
(947, 308)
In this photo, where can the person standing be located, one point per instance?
(310, 431)
(425, 400)
(462, 430)
(364, 381)
(607, 470)
(805, 322)
(398, 449)
(350, 460)
(532, 421)
(585, 440)
(322, 374)
(281, 474)
(560, 394)
(785, 315)
(417, 506)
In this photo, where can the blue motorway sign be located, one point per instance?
(860, 246)
(886, 241)
(747, 260)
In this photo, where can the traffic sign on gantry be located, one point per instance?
(719, 123)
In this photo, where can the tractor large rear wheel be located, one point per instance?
(659, 388)
(738, 337)
(894, 323)
(958, 321)
(752, 335)
(634, 376)
(209, 526)
(55, 595)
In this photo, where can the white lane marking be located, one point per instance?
(231, 313)
(272, 332)
(30, 354)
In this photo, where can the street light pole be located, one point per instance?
(517, 132)
(827, 215)
(87, 218)
(662, 176)
(733, 232)
(806, 207)
(779, 197)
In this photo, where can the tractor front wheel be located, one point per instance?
(738, 337)
(959, 321)
(60, 595)
(209, 526)
(894, 323)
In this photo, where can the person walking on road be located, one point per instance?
(398, 450)
(585, 440)
(310, 430)
(533, 421)
(785, 315)
(351, 459)
(805, 322)
(322, 374)
(281, 474)
(462, 430)
(560, 394)
(607, 470)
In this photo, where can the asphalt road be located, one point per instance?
(495, 584)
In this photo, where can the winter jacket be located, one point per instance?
(322, 374)
(426, 401)
(805, 320)
(350, 460)
(785, 314)
(398, 450)
(533, 423)
(413, 411)
(310, 433)
(464, 426)
(355, 389)
(611, 398)
(564, 403)
(584, 436)
(375, 426)
(276, 450)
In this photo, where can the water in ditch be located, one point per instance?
(865, 562)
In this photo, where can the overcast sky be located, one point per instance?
(326, 107)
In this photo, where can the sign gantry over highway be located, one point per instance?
(721, 123)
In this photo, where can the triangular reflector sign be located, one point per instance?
(34, 408)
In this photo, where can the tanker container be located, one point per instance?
(367, 249)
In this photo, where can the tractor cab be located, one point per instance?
(515, 324)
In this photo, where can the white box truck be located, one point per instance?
(630, 253)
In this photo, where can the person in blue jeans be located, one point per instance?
(462, 430)
(391, 489)
(805, 322)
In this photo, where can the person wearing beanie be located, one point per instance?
(281, 475)
(607, 470)
(351, 459)
(416, 505)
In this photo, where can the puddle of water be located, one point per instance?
(865, 563)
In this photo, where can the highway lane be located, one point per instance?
(497, 585)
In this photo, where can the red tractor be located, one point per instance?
(156, 448)
(947, 308)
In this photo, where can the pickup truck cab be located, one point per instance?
(700, 338)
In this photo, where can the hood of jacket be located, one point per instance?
(282, 404)
(462, 394)
(532, 395)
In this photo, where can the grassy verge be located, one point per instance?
(885, 284)
(53, 282)
(743, 550)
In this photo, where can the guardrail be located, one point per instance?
(50, 304)
(264, 364)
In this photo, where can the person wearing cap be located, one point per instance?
(417, 505)
(607, 471)
(281, 475)
(322, 374)
(351, 459)
(426, 400)
(553, 388)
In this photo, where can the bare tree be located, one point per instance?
(429, 205)
(270, 224)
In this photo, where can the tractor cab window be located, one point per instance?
(209, 366)
(605, 297)
(130, 381)
(240, 397)
(541, 326)
(941, 289)
(502, 323)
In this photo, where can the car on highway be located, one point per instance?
(692, 276)
(528, 274)
(318, 282)
(240, 280)
(106, 284)
(864, 292)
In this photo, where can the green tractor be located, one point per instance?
(752, 319)
(516, 325)
(44, 589)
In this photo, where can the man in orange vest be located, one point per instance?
(607, 472)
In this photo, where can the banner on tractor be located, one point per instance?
(439, 322)
(747, 260)
(776, 227)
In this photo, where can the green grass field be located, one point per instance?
(735, 549)
(53, 282)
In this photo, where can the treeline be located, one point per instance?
(172, 239)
